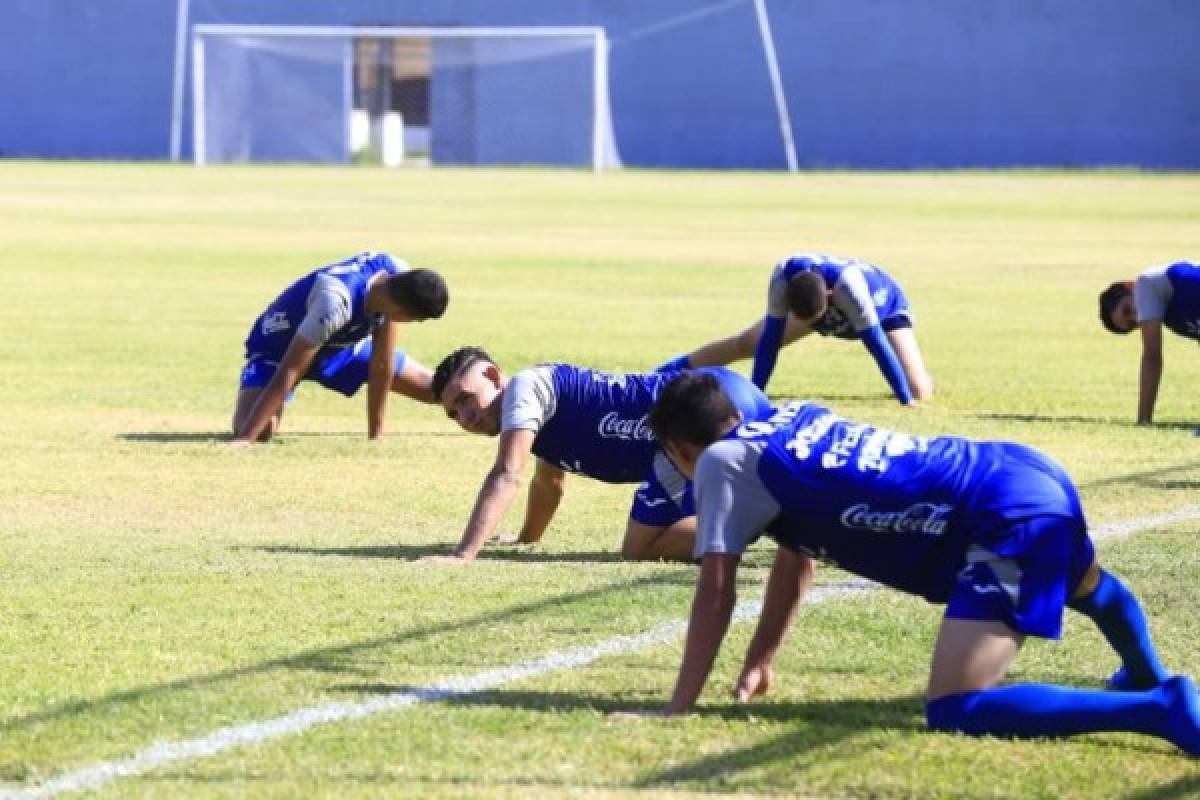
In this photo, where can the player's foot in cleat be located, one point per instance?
(1183, 713)
(1120, 681)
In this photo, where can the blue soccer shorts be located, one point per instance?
(1030, 547)
(665, 497)
(344, 370)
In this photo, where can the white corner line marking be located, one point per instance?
(222, 739)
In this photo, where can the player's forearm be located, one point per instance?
(496, 495)
(791, 576)
(706, 630)
(268, 405)
(378, 384)
(544, 496)
(1148, 381)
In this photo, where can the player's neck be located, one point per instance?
(378, 301)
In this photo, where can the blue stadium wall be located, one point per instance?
(869, 83)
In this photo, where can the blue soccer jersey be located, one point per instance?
(864, 302)
(863, 294)
(914, 513)
(595, 423)
(272, 332)
(1183, 310)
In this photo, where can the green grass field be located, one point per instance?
(155, 587)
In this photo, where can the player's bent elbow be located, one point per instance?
(504, 478)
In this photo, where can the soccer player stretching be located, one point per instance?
(337, 326)
(993, 530)
(575, 419)
(840, 297)
(1167, 296)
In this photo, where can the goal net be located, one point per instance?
(443, 96)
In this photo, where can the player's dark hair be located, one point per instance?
(692, 408)
(421, 292)
(1110, 298)
(806, 295)
(455, 364)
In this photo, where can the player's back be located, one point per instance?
(844, 319)
(600, 424)
(888, 506)
(274, 328)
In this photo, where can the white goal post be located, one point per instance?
(491, 95)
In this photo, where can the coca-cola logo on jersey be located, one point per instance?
(613, 426)
(926, 518)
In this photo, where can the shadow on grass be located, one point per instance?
(1150, 478)
(175, 437)
(826, 398)
(411, 552)
(820, 724)
(1059, 419)
(333, 660)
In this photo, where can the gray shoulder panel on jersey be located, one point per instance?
(1152, 291)
(673, 482)
(852, 296)
(328, 309)
(777, 305)
(732, 505)
(529, 400)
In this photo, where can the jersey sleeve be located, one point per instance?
(853, 298)
(328, 309)
(777, 305)
(732, 505)
(1152, 291)
(881, 350)
(529, 401)
(766, 352)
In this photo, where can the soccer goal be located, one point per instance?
(443, 96)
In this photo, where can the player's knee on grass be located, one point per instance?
(636, 544)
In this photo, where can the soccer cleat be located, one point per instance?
(1183, 713)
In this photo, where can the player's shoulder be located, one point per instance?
(728, 457)
(540, 374)
(328, 289)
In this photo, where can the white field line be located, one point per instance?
(222, 739)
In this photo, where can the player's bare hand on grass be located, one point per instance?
(753, 682)
(450, 559)
(649, 713)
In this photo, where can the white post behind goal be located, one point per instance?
(467, 96)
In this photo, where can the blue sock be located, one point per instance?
(676, 363)
(1119, 617)
(1170, 712)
